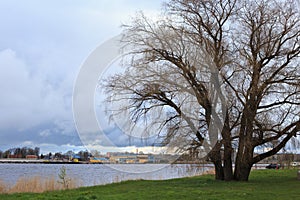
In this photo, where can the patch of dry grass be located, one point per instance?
(36, 184)
(2, 187)
(210, 172)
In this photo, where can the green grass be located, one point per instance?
(263, 184)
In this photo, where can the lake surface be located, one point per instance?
(97, 174)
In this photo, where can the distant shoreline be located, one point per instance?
(25, 161)
(40, 161)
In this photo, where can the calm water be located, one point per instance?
(90, 175)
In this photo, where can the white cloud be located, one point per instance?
(45, 133)
(132, 149)
(28, 99)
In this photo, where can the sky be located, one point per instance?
(43, 46)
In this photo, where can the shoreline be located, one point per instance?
(41, 161)
(24, 161)
(85, 162)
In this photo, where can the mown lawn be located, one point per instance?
(263, 184)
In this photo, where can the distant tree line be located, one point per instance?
(19, 152)
(22, 152)
(81, 156)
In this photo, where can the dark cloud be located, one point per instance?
(42, 134)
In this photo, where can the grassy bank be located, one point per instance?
(263, 184)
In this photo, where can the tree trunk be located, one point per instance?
(219, 171)
(228, 173)
(242, 170)
(215, 157)
(227, 157)
(243, 162)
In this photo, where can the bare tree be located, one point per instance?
(214, 75)
(268, 52)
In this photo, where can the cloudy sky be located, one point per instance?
(42, 47)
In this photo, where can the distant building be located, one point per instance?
(144, 158)
(32, 157)
(103, 160)
(130, 158)
(14, 156)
